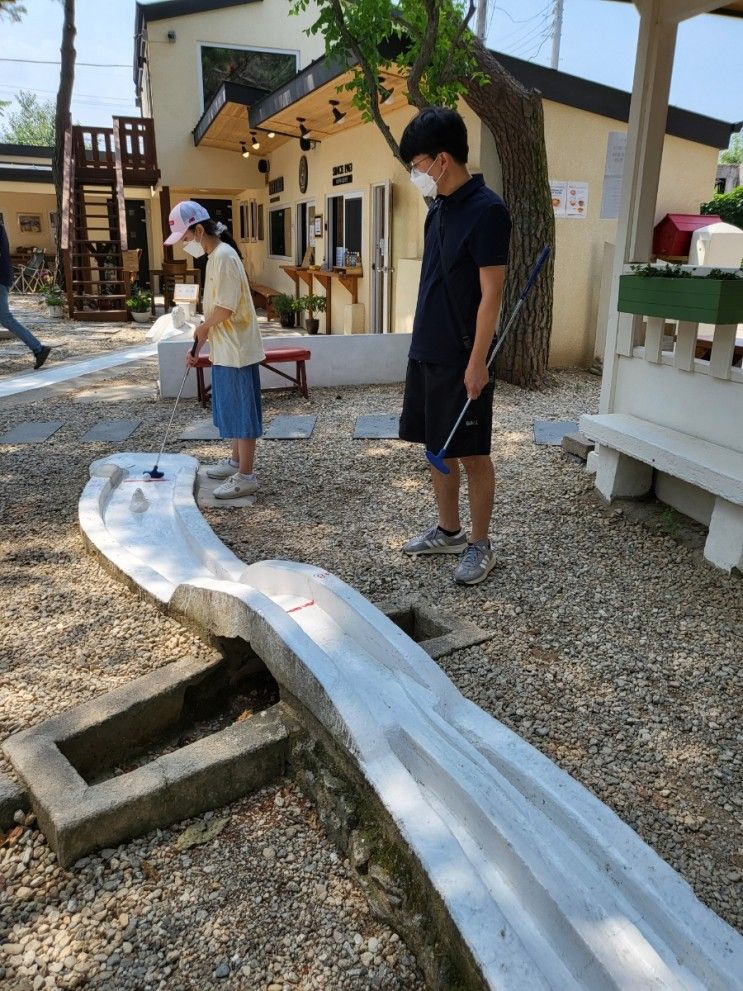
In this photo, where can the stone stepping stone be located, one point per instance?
(205, 498)
(200, 430)
(122, 393)
(551, 432)
(112, 430)
(377, 426)
(290, 428)
(32, 432)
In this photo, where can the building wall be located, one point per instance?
(174, 81)
(576, 150)
(38, 198)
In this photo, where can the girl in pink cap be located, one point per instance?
(235, 347)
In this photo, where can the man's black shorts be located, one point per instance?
(434, 397)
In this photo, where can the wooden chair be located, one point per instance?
(173, 271)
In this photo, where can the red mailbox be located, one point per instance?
(672, 236)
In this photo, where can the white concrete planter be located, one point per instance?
(55, 311)
(143, 316)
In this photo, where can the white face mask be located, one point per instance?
(193, 248)
(423, 182)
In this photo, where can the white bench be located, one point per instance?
(631, 448)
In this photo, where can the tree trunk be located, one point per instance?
(63, 119)
(514, 117)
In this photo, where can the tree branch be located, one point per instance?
(370, 77)
(428, 46)
(446, 72)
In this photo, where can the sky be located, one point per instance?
(598, 42)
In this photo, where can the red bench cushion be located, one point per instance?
(288, 354)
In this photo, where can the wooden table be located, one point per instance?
(190, 275)
(325, 277)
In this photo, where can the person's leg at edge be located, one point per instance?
(243, 452)
(481, 490)
(446, 493)
(8, 321)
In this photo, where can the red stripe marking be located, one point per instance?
(303, 606)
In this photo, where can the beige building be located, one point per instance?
(230, 88)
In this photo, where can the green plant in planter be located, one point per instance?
(286, 307)
(313, 304)
(677, 294)
(140, 300)
(50, 292)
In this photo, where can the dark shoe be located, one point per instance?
(41, 357)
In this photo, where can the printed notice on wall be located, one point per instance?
(576, 205)
(611, 192)
(559, 192)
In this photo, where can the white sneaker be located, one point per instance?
(236, 487)
(225, 468)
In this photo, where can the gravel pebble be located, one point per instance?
(614, 651)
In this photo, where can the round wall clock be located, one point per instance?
(303, 174)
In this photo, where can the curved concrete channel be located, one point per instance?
(543, 886)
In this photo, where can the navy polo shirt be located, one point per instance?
(475, 232)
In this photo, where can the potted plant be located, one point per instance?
(140, 304)
(52, 295)
(678, 293)
(313, 304)
(286, 307)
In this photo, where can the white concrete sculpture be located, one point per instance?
(548, 888)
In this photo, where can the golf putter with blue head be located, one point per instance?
(437, 460)
(155, 472)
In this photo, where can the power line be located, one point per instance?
(81, 97)
(90, 65)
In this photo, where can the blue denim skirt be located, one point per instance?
(236, 402)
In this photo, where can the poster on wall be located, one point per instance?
(611, 192)
(576, 205)
(558, 191)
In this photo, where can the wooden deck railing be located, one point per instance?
(95, 151)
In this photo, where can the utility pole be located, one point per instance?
(482, 16)
(556, 34)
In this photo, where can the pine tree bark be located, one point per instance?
(515, 118)
(63, 118)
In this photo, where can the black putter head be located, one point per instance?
(154, 473)
(437, 460)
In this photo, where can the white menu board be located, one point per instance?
(576, 205)
(559, 192)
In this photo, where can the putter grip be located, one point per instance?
(543, 255)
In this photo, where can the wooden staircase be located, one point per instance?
(99, 162)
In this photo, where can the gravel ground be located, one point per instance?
(634, 690)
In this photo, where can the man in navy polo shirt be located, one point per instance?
(466, 238)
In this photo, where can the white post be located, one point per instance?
(482, 16)
(645, 136)
(556, 34)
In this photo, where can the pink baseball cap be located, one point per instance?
(182, 216)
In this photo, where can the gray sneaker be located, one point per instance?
(225, 468)
(476, 564)
(435, 541)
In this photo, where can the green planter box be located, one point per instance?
(697, 300)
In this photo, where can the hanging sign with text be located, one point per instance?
(342, 174)
(276, 186)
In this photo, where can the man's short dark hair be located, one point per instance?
(434, 130)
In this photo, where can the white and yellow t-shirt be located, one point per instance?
(235, 342)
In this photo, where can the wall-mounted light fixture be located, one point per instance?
(171, 37)
(244, 150)
(338, 115)
(255, 144)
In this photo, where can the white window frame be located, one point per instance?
(274, 209)
(351, 194)
(249, 220)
